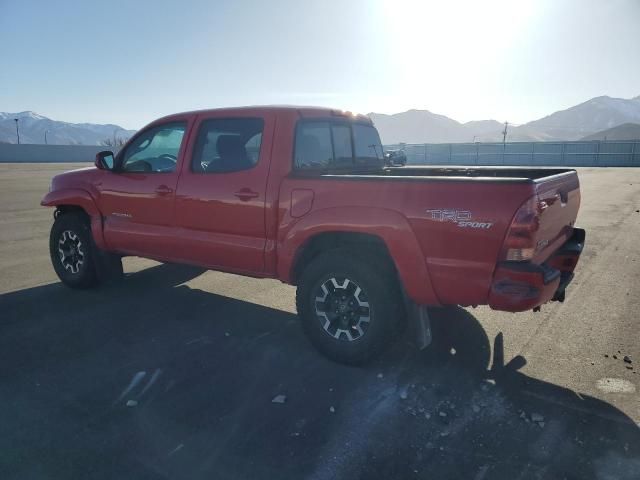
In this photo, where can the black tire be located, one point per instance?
(73, 253)
(335, 325)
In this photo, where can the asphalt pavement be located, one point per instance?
(172, 372)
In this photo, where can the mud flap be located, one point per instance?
(108, 266)
(420, 325)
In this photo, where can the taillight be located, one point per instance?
(520, 242)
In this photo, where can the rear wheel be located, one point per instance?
(72, 251)
(349, 308)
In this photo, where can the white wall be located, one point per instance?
(576, 154)
(25, 153)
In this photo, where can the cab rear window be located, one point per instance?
(327, 145)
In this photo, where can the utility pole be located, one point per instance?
(17, 131)
(504, 132)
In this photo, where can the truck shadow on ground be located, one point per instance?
(150, 379)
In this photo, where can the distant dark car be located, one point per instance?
(395, 158)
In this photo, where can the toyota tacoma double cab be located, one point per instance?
(305, 195)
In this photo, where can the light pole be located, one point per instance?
(17, 131)
(45, 136)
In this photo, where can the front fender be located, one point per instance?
(390, 226)
(78, 198)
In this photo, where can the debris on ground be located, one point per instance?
(606, 356)
(475, 408)
(132, 403)
(615, 357)
(443, 414)
(227, 334)
(427, 415)
(536, 417)
(627, 359)
(331, 409)
(177, 449)
(403, 393)
(452, 351)
(380, 375)
(279, 399)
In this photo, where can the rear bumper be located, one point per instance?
(520, 286)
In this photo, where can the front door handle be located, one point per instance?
(246, 194)
(164, 190)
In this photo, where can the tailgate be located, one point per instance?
(559, 201)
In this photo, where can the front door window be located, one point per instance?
(156, 150)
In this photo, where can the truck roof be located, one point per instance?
(302, 111)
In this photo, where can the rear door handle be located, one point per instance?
(164, 190)
(246, 194)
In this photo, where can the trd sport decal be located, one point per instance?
(462, 218)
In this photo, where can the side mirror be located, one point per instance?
(105, 160)
(395, 158)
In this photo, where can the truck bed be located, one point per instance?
(502, 174)
(431, 199)
(514, 173)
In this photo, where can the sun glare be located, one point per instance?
(440, 46)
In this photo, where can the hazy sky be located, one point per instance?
(130, 62)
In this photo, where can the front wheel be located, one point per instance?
(349, 308)
(72, 251)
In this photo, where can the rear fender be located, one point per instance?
(391, 227)
(78, 198)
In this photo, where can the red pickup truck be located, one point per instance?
(304, 195)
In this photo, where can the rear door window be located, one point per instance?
(227, 145)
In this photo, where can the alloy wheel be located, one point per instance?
(71, 251)
(342, 308)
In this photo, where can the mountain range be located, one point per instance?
(626, 131)
(33, 126)
(575, 123)
(586, 120)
